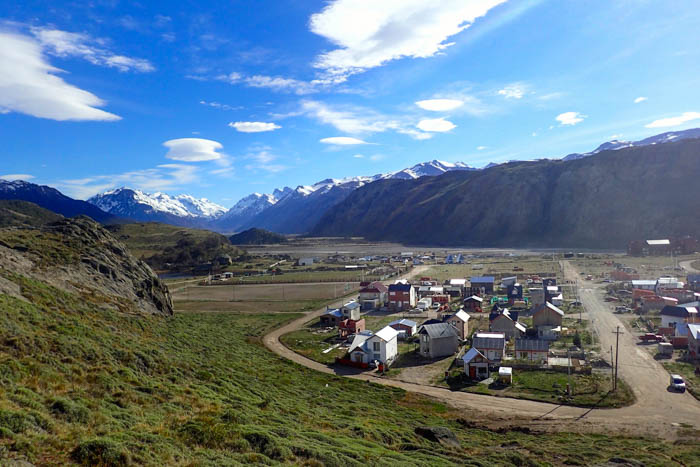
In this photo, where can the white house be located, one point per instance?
(491, 344)
(381, 347)
(694, 340)
(476, 365)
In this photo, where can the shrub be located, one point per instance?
(101, 451)
(69, 410)
(15, 422)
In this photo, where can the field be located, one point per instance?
(495, 266)
(228, 291)
(549, 386)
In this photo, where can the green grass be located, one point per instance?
(311, 342)
(687, 371)
(89, 386)
(549, 386)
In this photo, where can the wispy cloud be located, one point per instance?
(13, 177)
(160, 178)
(193, 149)
(513, 91)
(29, 85)
(570, 118)
(640, 99)
(254, 127)
(359, 120)
(218, 105)
(674, 121)
(342, 141)
(370, 34)
(71, 44)
(275, 83)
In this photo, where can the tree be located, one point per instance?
(577, 339)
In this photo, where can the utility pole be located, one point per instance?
(612, 366)
(617, 333)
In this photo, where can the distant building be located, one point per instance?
(491, 344)
(348, 327)
(460, 321)
(534, 350)
(373, 296)
(483, 283)
(381, 347)
(402, 296)
(305, 261)
(438, 340)
(406, 327)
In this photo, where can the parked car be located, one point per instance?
(677, 383)
(651, 337)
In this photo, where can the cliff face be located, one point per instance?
(601, 201)
(80, 256)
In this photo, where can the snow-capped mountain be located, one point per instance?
(616, 144)
(428, 169)
(161, 207)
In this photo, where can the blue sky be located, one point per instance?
(220, 100)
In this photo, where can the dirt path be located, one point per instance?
(643, 418)
(688, 266)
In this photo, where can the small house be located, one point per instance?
(670, 315)
(537, 295)
(348, 327)
(484, 283)
(460, 321)
(405, 326)
(490, 344)
(508, 281)
(508, 324)
(476, 365)
(402, 296)
(373, 296)
(438, 340)
(331, 318)
(473, 303)
(351, 310)
(425, 303)
(533, 350)
(545, 319)
(381, 347)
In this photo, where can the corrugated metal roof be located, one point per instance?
(438, 330)
(532, 344)
(471, 354)
(481, 279)
(493, 340)
(659, 242)
(387, 333)
(694, 329)
(404, 321)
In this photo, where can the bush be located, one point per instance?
(15, 422)
(101, 451)
(69, 410)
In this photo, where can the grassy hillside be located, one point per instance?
(25, 214)
(165, 246)
(602, 201)
(88, 386)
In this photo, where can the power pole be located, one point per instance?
(612, 366)
(617, 333)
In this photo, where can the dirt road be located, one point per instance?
(657, 412)
(687, 265)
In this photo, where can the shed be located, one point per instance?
(505, 375)
(476, 365)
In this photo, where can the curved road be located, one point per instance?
(687, 265)
(656, 412)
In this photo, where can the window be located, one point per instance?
(375, 346)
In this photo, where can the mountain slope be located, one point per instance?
(157, 207)
(51, 199)
(600, 201)
(25, 214)
(256, 237)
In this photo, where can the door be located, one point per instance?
(472, 372)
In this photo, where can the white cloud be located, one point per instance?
(570, 118)
(218, 105)
(29, 85)
(276, 83)
(264, 161)
(342, 141)
(439, 105)
(358, 156)
(71, 44)
(254, 127)
(12, 177)
(481, 148)
(640, 99)
(513, 91)
(160, 178)
(193, 149)
(616, 136)
(674, 121)
(369, 34)
(350, 120)
(439, 125)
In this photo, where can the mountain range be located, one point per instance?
(600, 201)
(383, 197)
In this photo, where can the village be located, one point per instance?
(514, 332)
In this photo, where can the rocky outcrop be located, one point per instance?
(79, 255)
